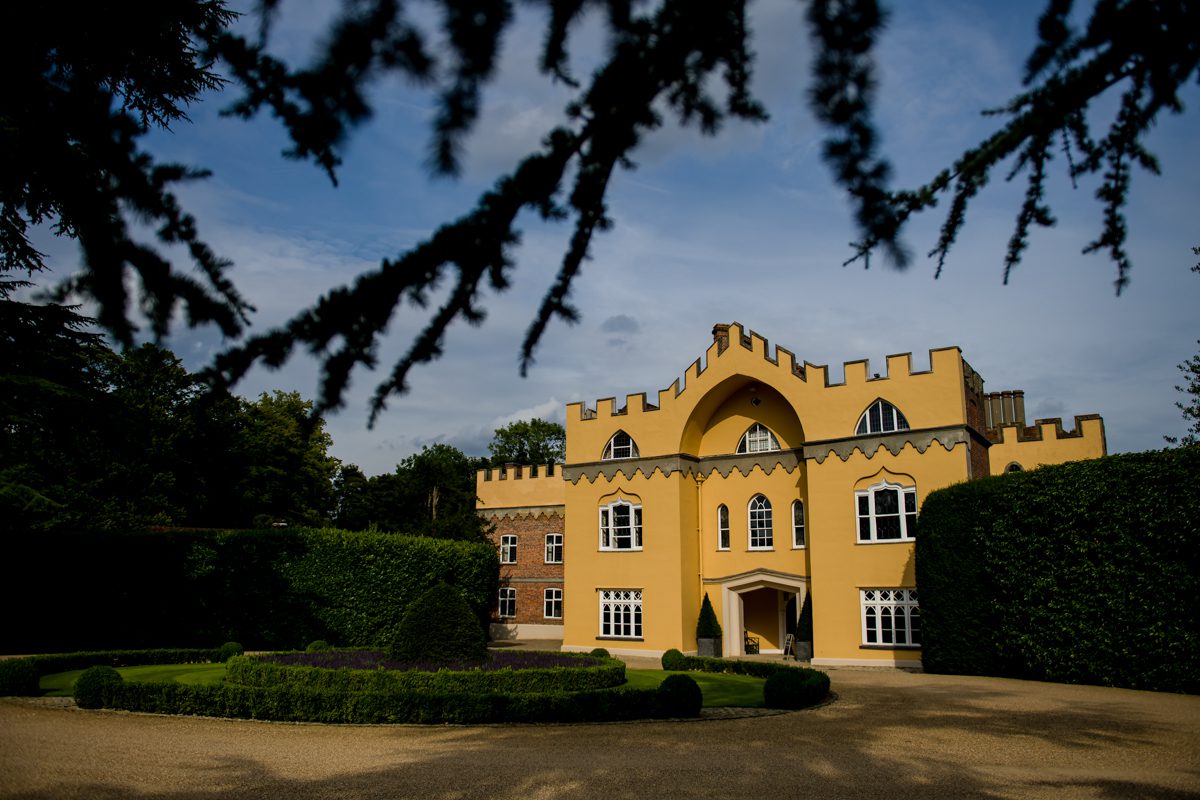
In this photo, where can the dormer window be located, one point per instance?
(621, 445)
(881, 417)
(758, 440)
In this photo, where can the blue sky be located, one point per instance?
(745, 227)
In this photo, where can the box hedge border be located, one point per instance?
(813, 689)
(303, 704)
(254, 671)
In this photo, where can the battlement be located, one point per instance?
(1041, 430)
(519, 486)
(732, 340)
(518, 472)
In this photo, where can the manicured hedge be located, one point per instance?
(1086, 572)
(808, 688)
(20, 676)
(303, 704)
(314, 705)
(271, 589)
(253, 671)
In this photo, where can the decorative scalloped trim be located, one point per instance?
(787, 460)
(920, 440)
(522, 511)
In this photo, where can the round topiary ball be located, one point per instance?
(674, 660)
(599, 652)
(229, 650)
(93, 688)
(679, 696)
(439, 627)
(318, 646)
(795, 688)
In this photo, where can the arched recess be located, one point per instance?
(736, 588)
(723, 415)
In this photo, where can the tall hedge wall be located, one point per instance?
(265, 589)
(1086, 572)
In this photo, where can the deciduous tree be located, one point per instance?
(532, 441)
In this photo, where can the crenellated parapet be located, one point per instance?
(519, 486)
(1045, 430)
(1016, 447)
(782, 363)
(821, 407)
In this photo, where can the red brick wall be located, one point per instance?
(530, 575)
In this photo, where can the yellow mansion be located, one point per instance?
(758, 483)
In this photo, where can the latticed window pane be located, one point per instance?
(758, 440)
(620, 445)
(881, 417)
(890, 617)
(760, 523)
(798, 524)
(723, 527)
(621, 613)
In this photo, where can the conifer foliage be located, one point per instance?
(83, 87)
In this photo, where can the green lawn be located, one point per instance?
(741, 691)
(59, 684)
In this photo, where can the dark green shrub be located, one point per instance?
(707, 626)
(255, 671)
(438, 627)
(267, 589)
(229, 650)
(673, 660)
(1084, 573)
(804, 631)
(19, 677)
(298, 704)
(678, 696)
(792, 688)
(94, 687)
(318, 646)
(816, 683)
(599, 652)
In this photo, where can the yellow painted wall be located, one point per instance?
(517, 490)
(841, 565)
(687, 436)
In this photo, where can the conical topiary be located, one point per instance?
(439, 627)
(707, 626)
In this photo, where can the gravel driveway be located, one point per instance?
(888, 734)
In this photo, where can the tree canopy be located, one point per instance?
(1190, 390)
(84, 87)
(531, 441)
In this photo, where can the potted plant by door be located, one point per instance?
(804, 631)
(708, 631)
